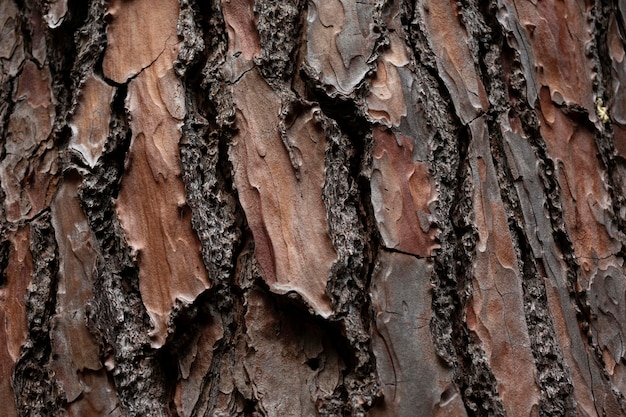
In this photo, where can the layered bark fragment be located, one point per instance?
(386, 102)
(11, 41)
(525, 167)
(340, 40)
(151, 203)
(449, 42)
(137, 35)
(29, 165)
(495, 312)
(76, 355)
(13, 324)
(401, 194)
(278, 346)
(586, 201)
(554, 50)
(90, 124)
(415, 381)
(194, 365)
(615, 46)
(402, 186)
(294, 255)
(243, 37)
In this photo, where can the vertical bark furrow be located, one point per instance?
(567, 302)
(554, 380)
(333, 80)
(158, 230)
(351, 274)
(606, 329)
(75, 358)
(116, 313)
(205, 135)
(607, 140)
(216, 218)
(454, 262)
(614, 87)
(33, 381)
(557, 397)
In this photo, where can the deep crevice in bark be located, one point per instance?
(554, 380)
(454, 260)
(36, 392)
(116, 315)
(351, 220)
(604, 136)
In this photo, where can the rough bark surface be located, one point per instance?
(312, 208)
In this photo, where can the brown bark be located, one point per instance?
(302, 208)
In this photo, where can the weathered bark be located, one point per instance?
(304, 208)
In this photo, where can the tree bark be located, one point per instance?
(303, 208)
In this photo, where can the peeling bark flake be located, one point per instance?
(294, 255)
(151, 203)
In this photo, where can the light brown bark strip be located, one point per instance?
(90, 124)
(75, 354)
(286, 215)
(139, 32)
(450, 43)
(151, 203)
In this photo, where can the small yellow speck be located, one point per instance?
(602, 111)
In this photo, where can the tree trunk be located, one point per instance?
(322, 207)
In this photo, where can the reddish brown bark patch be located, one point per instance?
(30, 163)
(559, 33)
(90, 124)
(151, 203)
(496, 311)
(401, 193)
(450, 43)
(287, 215)
(13, 326)
(138, 33)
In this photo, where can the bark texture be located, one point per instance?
(312, 208)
